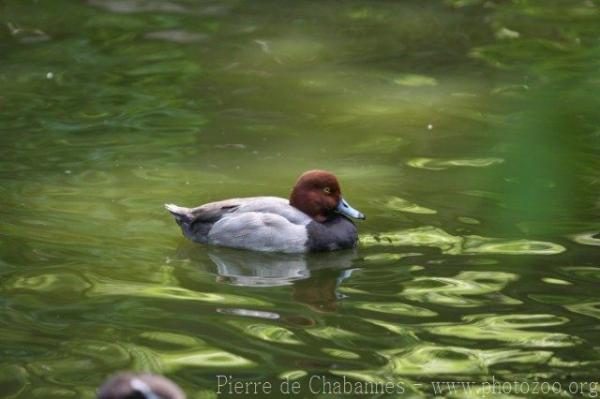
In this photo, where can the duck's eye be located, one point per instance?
(327, 190)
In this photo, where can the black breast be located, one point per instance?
(336, 233)
(196, 230)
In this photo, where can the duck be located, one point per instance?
(315, 218)
(130, 385)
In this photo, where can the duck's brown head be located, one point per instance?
(317, 193)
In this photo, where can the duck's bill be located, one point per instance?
(345, 209)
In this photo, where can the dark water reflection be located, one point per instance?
(467, 132)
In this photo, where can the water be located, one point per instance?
(467, 132)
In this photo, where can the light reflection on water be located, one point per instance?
(471, 148)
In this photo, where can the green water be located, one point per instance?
(467, 131)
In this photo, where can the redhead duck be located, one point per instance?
(129, 385)
(313, 219)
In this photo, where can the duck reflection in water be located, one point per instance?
(314, 278)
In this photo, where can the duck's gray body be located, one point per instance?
(263, 224)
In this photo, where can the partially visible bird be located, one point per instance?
(128, 385)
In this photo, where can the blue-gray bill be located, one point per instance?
(345, 209)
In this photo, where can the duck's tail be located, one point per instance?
(182, 215)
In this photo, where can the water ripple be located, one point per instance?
(582, 273)
(442, 164)
(432, 360)
(590, 238)
(430, 236)
(267, 332)
(395, 308)
(106, 287)
(402, 205)
(587, 308)
(467, 289)
(509, 329)
(436, 360)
